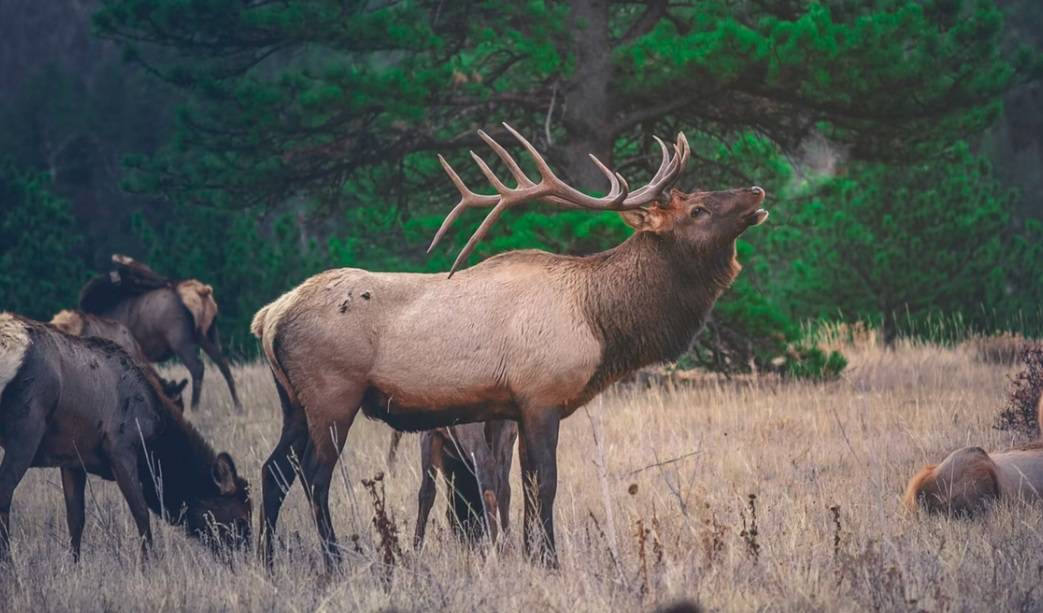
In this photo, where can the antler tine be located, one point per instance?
(468, 199)
(669, 171)
(614, 178)
(479, 234)
(550, 188)
(559, 189)
(497, 184)
(512, 166)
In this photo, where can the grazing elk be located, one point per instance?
(166, 317)
(969, 479)
(78, 323)
(526, 335)
(475, 460)
(81, 404)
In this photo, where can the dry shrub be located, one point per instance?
(1006, 348)
(1021, 413)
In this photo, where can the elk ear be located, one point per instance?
(224, 475)
(180, 387)
(654, 219)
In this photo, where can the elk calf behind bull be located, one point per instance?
(475, 460)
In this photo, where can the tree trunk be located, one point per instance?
(890, 328)
(588, 106)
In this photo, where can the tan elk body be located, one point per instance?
(527, 335)
(969, 479)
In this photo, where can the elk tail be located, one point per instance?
(198, 298)
(916, 485)
(265, 327)
(14, 343)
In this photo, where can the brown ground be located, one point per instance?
(800, 448)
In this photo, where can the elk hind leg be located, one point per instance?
(330, 416)
(280, 470)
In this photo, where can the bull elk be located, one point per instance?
(526, 335)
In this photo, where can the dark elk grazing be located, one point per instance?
(78, 323)
(475, 460)
(166, 317)
(81, 404)
(526, 335)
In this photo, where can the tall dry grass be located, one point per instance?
(659, 510)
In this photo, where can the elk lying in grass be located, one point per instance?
(166, 317)
(78, 323)
(475, 460)
(970, 479)
(526, 335)
(83, 405)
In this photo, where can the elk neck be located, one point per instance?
(182, 462)
(647, 298)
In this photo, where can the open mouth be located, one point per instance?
(757, 217)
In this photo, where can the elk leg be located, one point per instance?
(189, 355)
(212, 347)
(326, 441)
(279, 472)
(22, 438)
(74, 480)
(125, 470)
(538, 446)
(430, 447)
(396, 438)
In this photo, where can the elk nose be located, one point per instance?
(757, 190)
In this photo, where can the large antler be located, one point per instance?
(551, 188)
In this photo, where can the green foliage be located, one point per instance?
(41, 264)
(810, 362)
(897, 243)
(248, 262)
(327, 114)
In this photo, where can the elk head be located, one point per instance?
(222, 519)
(704, 220)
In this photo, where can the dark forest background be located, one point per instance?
(252, 143)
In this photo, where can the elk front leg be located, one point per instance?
(430, 457)
(74, 480)
(538, 449)
(125, 470)
(23, 435)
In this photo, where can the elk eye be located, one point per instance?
(698, 212)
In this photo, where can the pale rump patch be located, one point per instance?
(14, 341)
(198, 298)
(264, 326)
(69, 322)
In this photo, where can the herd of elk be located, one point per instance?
(78, 323)
(520, 341)
(167, 318)
(527, 336)
(84, 405)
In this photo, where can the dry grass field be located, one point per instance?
(632, 536)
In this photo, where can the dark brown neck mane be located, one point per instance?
(179, 465)
(647, 298)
